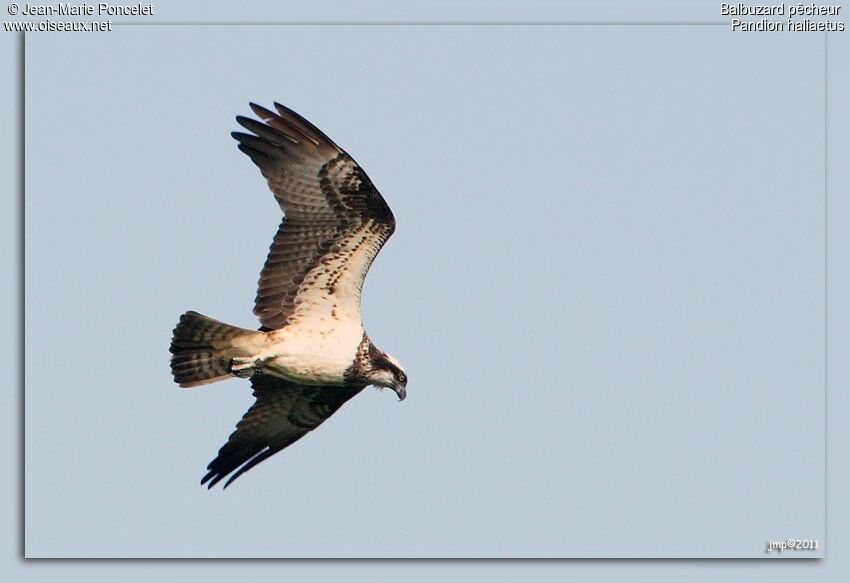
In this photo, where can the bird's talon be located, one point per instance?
(243, 367)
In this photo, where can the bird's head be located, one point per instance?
(386, 371)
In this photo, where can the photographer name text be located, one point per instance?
(99, 9)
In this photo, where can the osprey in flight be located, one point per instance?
(311, 353)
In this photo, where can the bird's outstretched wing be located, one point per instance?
(335, 221)
(282, 414)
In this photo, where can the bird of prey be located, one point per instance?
(311, 353)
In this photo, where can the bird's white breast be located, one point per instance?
(316, 353)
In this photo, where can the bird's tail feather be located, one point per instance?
(201, 349)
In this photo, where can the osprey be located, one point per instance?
(311, 353)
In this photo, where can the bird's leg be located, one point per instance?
(245, 366)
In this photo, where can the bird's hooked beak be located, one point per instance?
(400, 390)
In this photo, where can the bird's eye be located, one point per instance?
(402, 377)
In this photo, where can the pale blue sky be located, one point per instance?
(639, 310)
